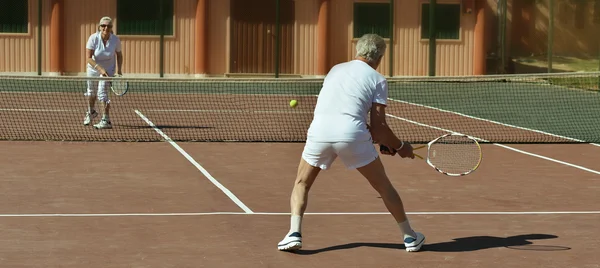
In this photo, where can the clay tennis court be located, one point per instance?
(176, 203)
(79, 204)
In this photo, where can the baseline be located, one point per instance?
(47, 215)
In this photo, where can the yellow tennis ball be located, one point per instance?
(293, 103)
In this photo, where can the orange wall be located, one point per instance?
(19, 51)
(218, 40)
(141, 53)
(410, 56)
(454, 57)
(305, 60)
(341, 41)
(530, 27)
(179, 49)
(305, 50)
(80, 21)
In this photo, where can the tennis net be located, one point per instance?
(542, 108)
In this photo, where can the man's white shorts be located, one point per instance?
(353, 154)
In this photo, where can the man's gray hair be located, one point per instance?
(370, 47)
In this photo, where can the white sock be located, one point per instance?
(295, 224)
(407, 231)
(105, 117)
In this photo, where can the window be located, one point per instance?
(14, 16)
(447, 21)
(142, 17)
(372, 18)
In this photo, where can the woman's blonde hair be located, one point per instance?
(109, 19)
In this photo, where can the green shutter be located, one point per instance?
(371, 18)
(447, 21)
(14, 16)
(142, 17)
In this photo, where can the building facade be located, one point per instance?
(205, 38)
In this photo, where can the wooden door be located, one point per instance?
(253, 40)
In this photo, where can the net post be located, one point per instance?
(162, 38)
(550, 34)
(503, 8)
(432, 37)
(277, 30)
(391, 48)
(39, 41)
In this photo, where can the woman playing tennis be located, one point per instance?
(102, 49)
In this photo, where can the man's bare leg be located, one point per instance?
(305, 178)
(374, 172)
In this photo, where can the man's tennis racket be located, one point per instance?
(119, 86)
(451, 154)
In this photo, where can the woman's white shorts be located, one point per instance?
(98, 88)
(353, 154)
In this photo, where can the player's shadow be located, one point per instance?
(464, 244)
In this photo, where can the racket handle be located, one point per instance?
(384, 149)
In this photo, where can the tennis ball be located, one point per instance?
(293, 103)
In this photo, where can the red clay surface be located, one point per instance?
(506, 181)
(60, 177)
(63, 177)
(330, 241)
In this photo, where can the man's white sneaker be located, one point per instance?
(291, 242)
(103, 124)
(89, 116)
(414, 244)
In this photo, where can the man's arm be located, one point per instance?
(384, 135)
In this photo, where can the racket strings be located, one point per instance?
(119, 87)
(455, 154)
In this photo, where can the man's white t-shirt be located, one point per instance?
(348, 93)
(104, 55)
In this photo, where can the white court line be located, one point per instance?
(49, 215)
(492, 121)
(500, 145)
(231, 111)
(198, 166)
(34, 110)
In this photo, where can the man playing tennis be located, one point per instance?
(339, 129)
(102, 49)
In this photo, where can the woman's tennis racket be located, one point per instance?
(119, 86)
(451, 154)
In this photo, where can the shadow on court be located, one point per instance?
(465, 244)
(163, 127)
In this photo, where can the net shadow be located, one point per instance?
(164, 127)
